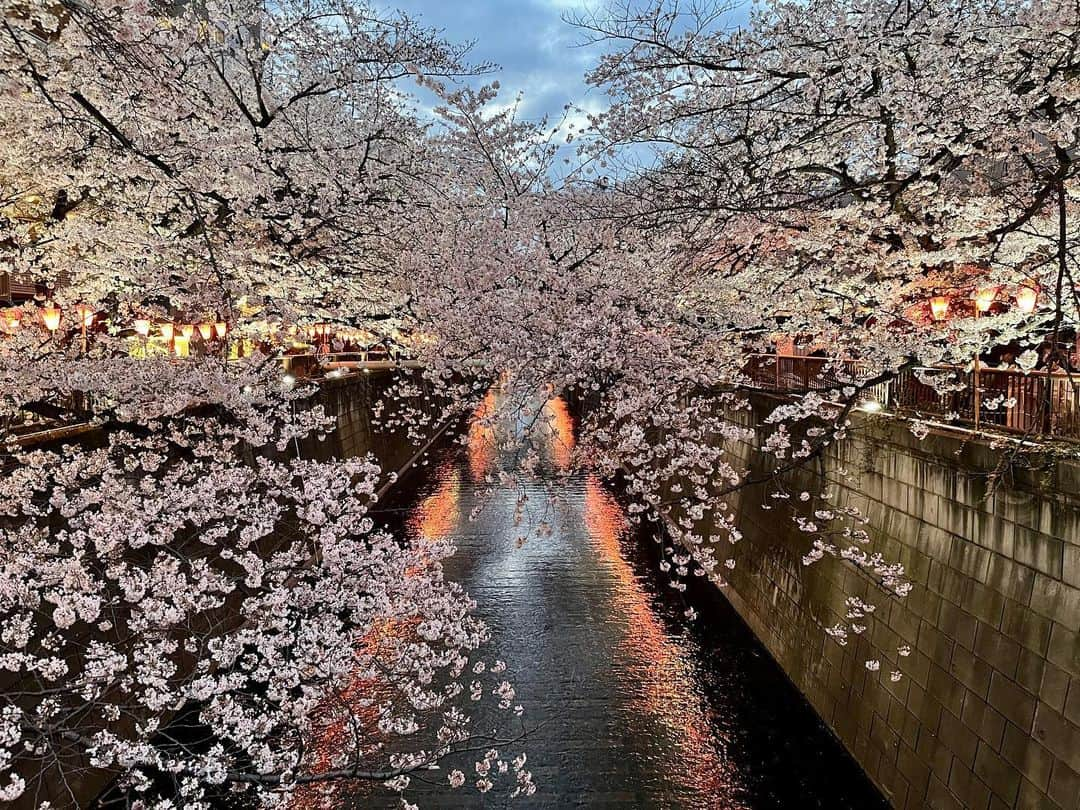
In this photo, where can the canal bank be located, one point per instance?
(987, 714)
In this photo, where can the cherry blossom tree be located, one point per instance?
(818, 171)
(190, 602)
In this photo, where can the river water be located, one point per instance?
(628, 705)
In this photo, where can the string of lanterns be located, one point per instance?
(1027, 296)
(178, 336)
(11, 319)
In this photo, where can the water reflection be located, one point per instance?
(560, 439)
(437, 515)
(628, 707)
(481, 439)
(669, 702)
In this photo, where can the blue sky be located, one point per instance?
(528, 39)
(538, 54)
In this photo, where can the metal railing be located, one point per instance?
(65, 414)
(1034, 403)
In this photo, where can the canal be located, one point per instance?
(626, 703)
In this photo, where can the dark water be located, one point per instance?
(628, 705)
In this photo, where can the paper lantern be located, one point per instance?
(939, 307)
(1026, 298)
(50, 316)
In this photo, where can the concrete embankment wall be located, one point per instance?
(987, 714)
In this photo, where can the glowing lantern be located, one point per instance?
(50, 316)
(206, 330)
(187, 330)
(86, 315)
(12, 318)
(142, 326)
(220, 328)
(1025, 299)
(984, 298)
(939, 307)
(167, 331)
(181, 345)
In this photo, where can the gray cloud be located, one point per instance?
(529, 40)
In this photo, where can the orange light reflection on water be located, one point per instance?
(561, 424)
(481, 446)
(669, 699)
(341, 720)
(439, 513)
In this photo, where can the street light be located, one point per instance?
(86, 314)
(322, 332)
(86, 320)
(984, 299)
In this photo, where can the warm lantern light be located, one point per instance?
(86, 315)
(1025, 299)
(939, 307)
(50, 316)
(187, 330)
(181, 345)
(984, 298)
(220, 328)
(167, 331)
(142, 326)
(206, 330)
(12, 318)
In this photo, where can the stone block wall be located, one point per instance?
(352, 401)
(987, 715)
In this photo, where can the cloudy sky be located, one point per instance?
(528, 39)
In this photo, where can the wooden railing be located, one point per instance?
(315, 365)
(797, 374)
(17, 288)
(1034, 403)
